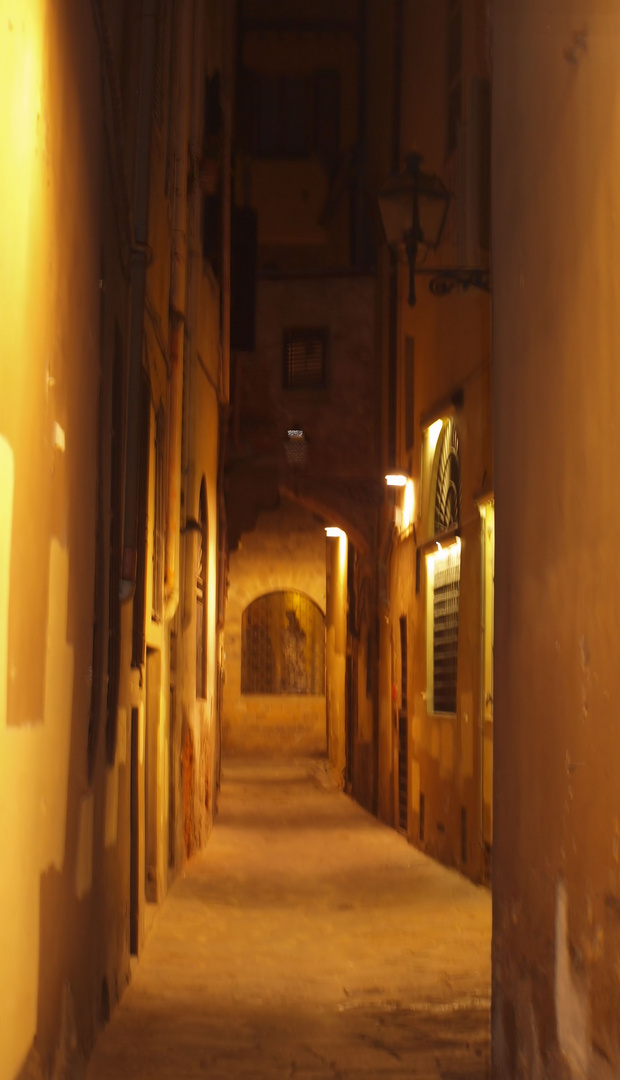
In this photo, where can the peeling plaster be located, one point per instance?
(571, 1002)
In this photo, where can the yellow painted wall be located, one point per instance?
(64, 925)
(556, 163)
(49, 276)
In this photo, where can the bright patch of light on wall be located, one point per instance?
(396, 480)
(432, 434)
(333, 530)
(408, 505)
(447, 550)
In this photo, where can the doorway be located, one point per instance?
(487, 514)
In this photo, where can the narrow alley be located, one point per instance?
(307, 940)
(309, 587)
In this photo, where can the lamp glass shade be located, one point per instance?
(433, 203)
(396, 206)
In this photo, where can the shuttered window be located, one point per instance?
(304, 358)
(446, 586)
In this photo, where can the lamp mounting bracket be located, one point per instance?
(445, 279)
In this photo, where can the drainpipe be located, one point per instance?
(138, 263)
(177, 305)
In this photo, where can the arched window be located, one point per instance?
(283, 645)
(201, 595)
(448, 484)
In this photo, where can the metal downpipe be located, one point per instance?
(177, 305)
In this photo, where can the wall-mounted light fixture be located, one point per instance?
(403, 499)
(296, 448)
(414, 207)
(333, 530)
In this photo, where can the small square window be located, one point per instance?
(304, 358)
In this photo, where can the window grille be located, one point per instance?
(447, 574)
(448, 486)
(283, 645)
(304, 358)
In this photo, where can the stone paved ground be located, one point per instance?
(307, 942)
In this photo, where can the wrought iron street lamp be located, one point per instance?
(414, 206)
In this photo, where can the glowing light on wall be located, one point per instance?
(342, 552)
(333, 530)
(447, 550)
(22, 136)
(432, 434)
(398, 480)
(408, 505)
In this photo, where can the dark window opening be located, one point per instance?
(214, 117)
(352, 627)
(158, 87)
(409, 384)
(283, 645)
(243, 249)
(159, 524)
(403, 662)
(327, 118)
(370, 661)
(138, 649)
(304, 358)
(291, 116)
(212, 231)
(454, 80)
(116, 546)
(284, 116)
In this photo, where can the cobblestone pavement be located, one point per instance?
(307, 942)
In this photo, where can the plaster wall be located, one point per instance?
(556, 881)
(49, 275)
(286, 550)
